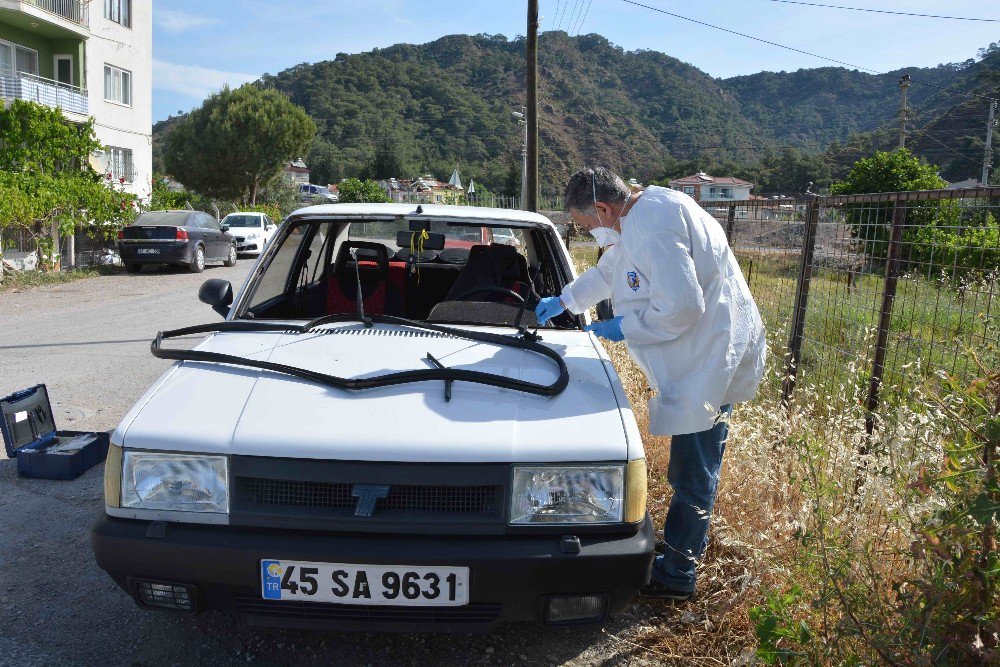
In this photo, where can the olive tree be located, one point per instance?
(236, 142)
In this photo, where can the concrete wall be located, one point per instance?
(117, 125)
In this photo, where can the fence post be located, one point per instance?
(731, 223)
(801, 301)
(885, 315)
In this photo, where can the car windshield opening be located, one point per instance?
(486, 274)
(242, 220)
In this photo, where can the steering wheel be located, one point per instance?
(489, 288)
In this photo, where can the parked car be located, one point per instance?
(251, 230)
(316, 194)
(179, 238)
(375, 439)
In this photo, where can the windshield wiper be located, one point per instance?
(439, 372)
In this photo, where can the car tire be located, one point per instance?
(231, 260)
(197, 264)
(133, 268)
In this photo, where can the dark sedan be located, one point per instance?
(179, 238)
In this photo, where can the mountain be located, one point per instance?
(409, 109)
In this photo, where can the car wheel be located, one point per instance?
(133, 268)
(197, 264)
(232, 257)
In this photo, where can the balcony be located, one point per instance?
(74, 10)
(59, 19)
(23, 86)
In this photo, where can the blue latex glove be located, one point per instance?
(548, 308)
(607, 329)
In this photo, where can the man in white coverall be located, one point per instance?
(686, 314)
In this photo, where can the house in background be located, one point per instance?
(295, 172)
(91, 59)
(705, 188)
(423, 190)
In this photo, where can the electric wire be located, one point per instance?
(579, 26)
(886, 11)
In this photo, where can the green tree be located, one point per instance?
(353, 190)
(47, 183)
(888, 171)
(237, 141)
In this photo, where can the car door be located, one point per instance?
(216, 245)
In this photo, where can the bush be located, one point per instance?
(955, 243)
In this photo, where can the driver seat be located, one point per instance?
(494, 265)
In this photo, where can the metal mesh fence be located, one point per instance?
(867, 294)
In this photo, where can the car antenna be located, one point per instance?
(360, 299)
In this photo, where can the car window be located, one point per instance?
(168, 218)
(208, 222)
(242, 220)
(272, 283)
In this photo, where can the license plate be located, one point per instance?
(148, 251)
(344, 583)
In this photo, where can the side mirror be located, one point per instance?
(225, 228)
(268, 228)
(217, 293)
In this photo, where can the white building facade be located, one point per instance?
(91, 58)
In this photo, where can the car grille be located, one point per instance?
(319, 495)
(401, 498)
(347, 613)
(240, 239)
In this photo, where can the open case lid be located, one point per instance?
(27, 418)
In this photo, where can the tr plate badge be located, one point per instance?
(633, 280)
(270, 572)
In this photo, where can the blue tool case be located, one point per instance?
(30, 437)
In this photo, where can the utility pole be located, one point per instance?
(988, 157)
(531, 165)
(521, 117)
(904, 83)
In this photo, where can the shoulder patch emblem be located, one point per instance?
(633, 280)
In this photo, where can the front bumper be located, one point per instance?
(511, 577)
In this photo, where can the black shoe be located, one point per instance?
(655, 589)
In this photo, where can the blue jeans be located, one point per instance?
(695, 460)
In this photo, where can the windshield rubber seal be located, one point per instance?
(447, 375)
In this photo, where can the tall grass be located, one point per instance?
(829, 546)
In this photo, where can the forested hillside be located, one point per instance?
(409, 109)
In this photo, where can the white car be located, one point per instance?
(379, 437)
(252, 231)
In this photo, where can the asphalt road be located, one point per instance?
(88, 341)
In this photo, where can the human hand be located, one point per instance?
(548, 308)
(607, 329)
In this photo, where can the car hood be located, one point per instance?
(218, 408)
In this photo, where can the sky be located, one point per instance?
(201, 45)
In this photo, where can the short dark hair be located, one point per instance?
(594, 183)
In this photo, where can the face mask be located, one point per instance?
(605, 236)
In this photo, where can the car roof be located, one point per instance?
(434, 211)
(244, 213)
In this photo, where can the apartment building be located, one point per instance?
(91, 58)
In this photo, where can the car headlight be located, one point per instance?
(557, 494)
(177, 482)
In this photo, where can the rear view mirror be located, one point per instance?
(217, 293)
(225, 228)
(433, 241)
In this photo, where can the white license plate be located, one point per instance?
(344, 583)
(148, 251)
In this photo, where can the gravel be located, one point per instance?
(88, 341)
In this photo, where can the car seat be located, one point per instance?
(382, 281)
(494, 265)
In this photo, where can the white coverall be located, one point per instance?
(688, 318)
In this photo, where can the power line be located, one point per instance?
(791, 48)
(743, 34)
(579, 25)
(886, 11)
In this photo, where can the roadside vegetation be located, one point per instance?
(829, 546)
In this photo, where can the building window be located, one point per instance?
(117, 85)
(120, 164)
(689, 190)
(119, 11)
(16, 58)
